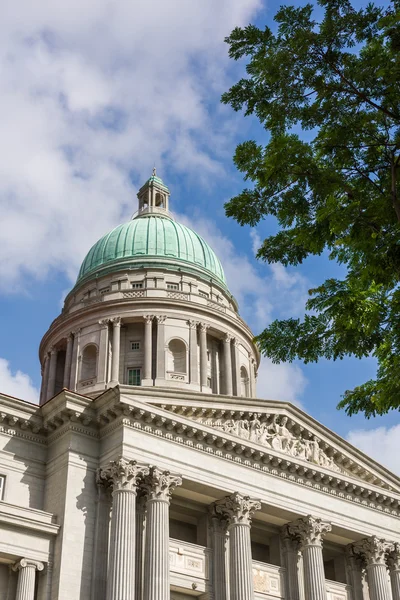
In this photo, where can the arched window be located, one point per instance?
(244, 383)
(89, 362)
(159, 200)
(176, 356)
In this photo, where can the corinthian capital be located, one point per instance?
(122, 474)
(159, 484)
(116, 321)
(192, 324)
(237, 509)
(309, 530)
(148, 318)
(227, 338)
(394, 558)
(160, 319)
(203, 326)
(373, 549)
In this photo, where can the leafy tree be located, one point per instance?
(334, 187)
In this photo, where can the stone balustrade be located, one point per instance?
(189, 565)
(269, 581)
(338, 591)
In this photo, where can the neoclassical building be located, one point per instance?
(151, 470)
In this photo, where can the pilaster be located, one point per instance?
(219, 533)
(193, 353)
(203, 356)
(148, 327)
(68, 361)
(228, 365)
(237, 368)
(394, 569)
(292, 555)
(102, 375)
(355, 565)
(116, 349)
(160, 362)
(45, 379)
(51, 385)
(101, 539)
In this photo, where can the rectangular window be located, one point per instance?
(2, 486)
(134, 377)
(104, 290)
(172, 286)
(135, 346)
(204, 294)
(137, 286)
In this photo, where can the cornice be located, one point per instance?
(176, 429)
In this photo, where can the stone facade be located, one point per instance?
(151, 471)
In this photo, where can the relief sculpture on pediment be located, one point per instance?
(276, 435)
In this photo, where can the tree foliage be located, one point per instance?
(328, 94)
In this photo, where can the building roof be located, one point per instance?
(152, 239)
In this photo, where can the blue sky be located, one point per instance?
(92, 96)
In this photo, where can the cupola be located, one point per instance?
(153, 196)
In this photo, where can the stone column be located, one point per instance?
(116, 349)
(158, 485)
(193, 353)
(101, 539)
(354, 564)
(141, 512)
(228, 365)
(253, 391)
(291, 552)
(148, 329)
(45, 379)
(203, 355)
(219, 566)
(160, 363)
(103, 352)
(310, 531)
(238, 510)
(26, 578)
(51, 385)
(394, 569)
(237, 368)
(68, 361)
(123, 476)
(75, 360)
(375, 552)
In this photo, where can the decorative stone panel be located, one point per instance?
(268, 581)
(338, 591)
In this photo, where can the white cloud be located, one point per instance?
(91, 94)
(16, 384)
(382, 444)
(280, 382)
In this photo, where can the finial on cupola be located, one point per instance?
(153, 196)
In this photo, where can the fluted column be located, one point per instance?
(45, 379)
(355, 569)
(158, 485)
(148, 329)
(193, 352)
(310, 531)
(238, 510)
(26, 578)
(68, 361)
(123, 476)
(140, 543)
(116, 348)
(237, 368)
(375, 552)
(160, 362)
(219, 544)
(203, 355)
(228, 365)
(291, 552)
(101, 539)
(51, 385)
(394, 569)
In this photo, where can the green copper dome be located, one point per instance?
(152, 240)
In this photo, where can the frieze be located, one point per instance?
(276, 435)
